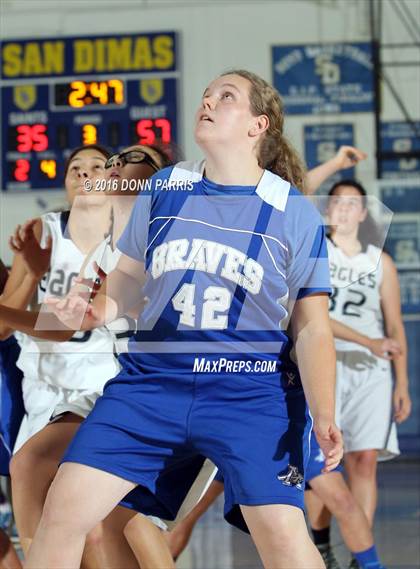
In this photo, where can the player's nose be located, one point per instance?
(208, 102)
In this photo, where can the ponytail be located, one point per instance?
(286, 162)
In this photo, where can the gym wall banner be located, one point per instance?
(324, 78)
(59, 93)
(403, 244)
(400, 137)
(322, 142)
(403, 241)
(402, 195)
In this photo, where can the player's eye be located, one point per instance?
(137, 156)
(227, 95)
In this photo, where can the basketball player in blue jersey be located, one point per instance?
(330, 487)
(228, 246)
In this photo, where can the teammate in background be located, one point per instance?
(106, 546)
(8, 374)
(364, 304)
(154, 418)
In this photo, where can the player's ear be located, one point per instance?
(260, 125)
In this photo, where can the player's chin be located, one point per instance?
(94, 198)
(203, 133)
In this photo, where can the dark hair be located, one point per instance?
(169, 152)
(369, 232)
(101, 149)
(275, 153)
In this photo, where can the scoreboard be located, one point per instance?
(57, 94)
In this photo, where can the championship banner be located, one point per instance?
(324, 78)
(400, 137)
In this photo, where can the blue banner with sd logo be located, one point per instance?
(324, 78)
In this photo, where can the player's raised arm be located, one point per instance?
(346, 157)
(30, 263)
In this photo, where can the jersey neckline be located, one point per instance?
(210, 188)
(362, 251)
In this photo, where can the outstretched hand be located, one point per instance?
(76, 310)
(24, 243)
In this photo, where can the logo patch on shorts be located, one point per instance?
(292, 477)
(291, 377)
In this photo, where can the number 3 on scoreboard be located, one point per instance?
(216, 299)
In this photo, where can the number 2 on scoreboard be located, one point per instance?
(76, 96)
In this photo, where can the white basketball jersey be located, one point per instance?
(85, 362)
(355, 300)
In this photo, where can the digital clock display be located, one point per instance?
(46, 116)
(79, 94)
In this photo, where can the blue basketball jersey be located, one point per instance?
(224, 265)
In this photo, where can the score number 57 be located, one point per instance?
(148, 130)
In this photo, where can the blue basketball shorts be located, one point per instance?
(155, 428)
